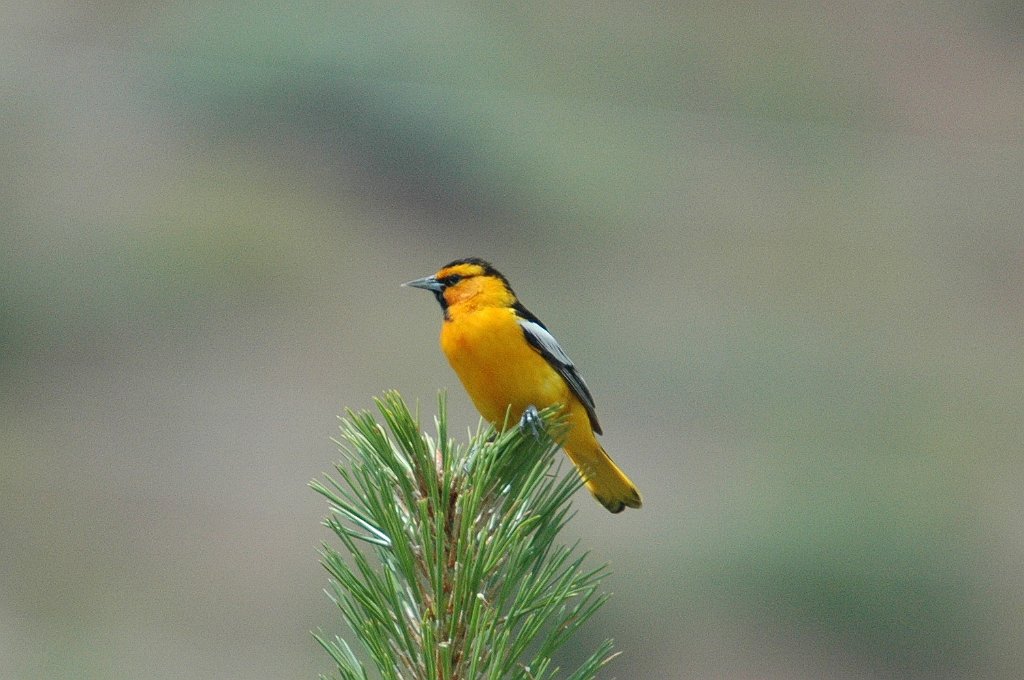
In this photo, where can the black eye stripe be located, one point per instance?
(451, 279)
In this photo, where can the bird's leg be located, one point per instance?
(531, 421)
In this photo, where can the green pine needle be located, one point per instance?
(450, 567)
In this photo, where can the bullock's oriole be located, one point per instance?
(508, 362)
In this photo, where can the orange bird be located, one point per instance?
(510, 363)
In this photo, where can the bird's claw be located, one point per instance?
(531, 422)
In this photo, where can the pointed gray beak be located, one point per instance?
(426, 283)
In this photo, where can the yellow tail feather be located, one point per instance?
(603, 478)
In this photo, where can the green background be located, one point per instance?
(783, 242)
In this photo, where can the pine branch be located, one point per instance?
(451, 569)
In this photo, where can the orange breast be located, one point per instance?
(496, 365)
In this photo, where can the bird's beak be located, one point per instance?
(426, 283)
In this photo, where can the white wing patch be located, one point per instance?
(542, 339)
(539, 336)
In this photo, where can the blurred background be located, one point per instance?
(784, 243)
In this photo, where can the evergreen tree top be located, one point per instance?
(450, 566)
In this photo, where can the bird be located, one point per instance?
(511, 365)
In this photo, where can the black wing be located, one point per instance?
(541, 339)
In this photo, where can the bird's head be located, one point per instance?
(470, 281)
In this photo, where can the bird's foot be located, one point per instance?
(531, 422)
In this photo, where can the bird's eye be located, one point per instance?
(451, 280)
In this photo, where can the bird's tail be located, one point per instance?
(603, 478)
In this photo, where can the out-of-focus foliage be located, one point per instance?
(784, 245)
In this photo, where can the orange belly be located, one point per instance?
(501, 372)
